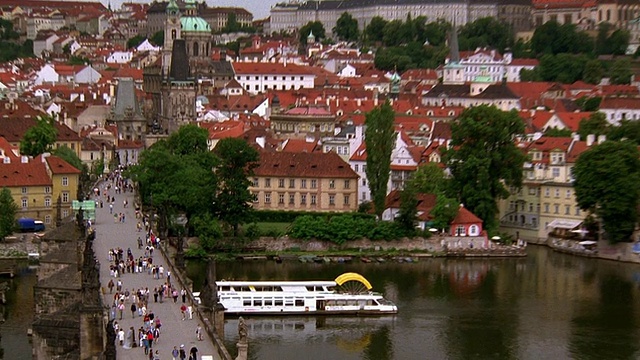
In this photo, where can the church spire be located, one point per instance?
(454, 55)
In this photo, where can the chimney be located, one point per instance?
(260, 140)
(590, 139)
(359, 102)
(81, 97)
(602, 138)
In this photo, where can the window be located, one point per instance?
(555, 172)
(292, 199)
(267, 182)
(364, 182)
(567, 209)
(47, 202)
(254, 195)
(267, 198)
(255, 182)
(25, 203)
(557, 193)
(24, 190)
(346, 200)
(313, 199)
(534, 222)
(364, 168)
(556, 209)
(280, 198)
(546, 192)
(355, 168)
(314, 183)
(65, 197)
(65, 213)
(332, 184)
(292, 183)
(347, 184)
(47, 189)
(65, 181)
(280, 183)
(332, 199)
(303, 184)
(577, 210)
(460, 230)
(47, 219)
(568, 194)
(546, 208)
(303, 199)
(364, 195)
(530, 207)
(474, 230)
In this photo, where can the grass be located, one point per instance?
(273, 227)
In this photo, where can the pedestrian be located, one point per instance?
(175, 353)
(121, 337)
(175, 296)
(110, 208)
(168, 276)
(121, 309)
(133, 310)
(111, 285)
(155, 294)
(183, 293)
(157, 355)
(183, 354)
(190, 312)
(194, 353)
(183, 310)
(199, 332)
(119, 286)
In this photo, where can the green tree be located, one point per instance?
(619, 41)
(394, 34)
(596, 125)
(589, 103)
(444, 212)
(157, 38)
(628, 129)
(190, 139)
(40, 138)
(593, 72)
(620, 72)
(233, 200)
(484, 32)
(428, 179)
(407, 214)
(208, 231)
(553, 38)
(379, 140)
(346, 28)
(606, 184)
(375, 30)
(78, 60)
(8, 210)
(484, 159)
(555, 132)
(312, 26)
(601, 46)
(436, 32)
(135, 41)
(232, 24)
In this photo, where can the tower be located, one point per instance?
(172, 31)
(453, 71)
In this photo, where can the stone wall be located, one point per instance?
(49, 300)
(47, 269)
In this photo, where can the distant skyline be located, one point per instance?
(259, 8)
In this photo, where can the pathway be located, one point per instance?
(174, 330)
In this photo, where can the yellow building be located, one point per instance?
(304, 182)
(36, 183)
(13, 130)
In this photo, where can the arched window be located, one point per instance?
(474, 230)
(173, 34)
(196, 49)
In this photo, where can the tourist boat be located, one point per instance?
(348, 294)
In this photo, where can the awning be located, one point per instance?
(564, 224)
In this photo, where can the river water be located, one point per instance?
(545, 306)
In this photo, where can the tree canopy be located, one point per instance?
(485, 32)
(346, 28)
(596, 125)
(233, 199)
(157, 38)
(8, 210)
(135, 41)
(606, 184)
(10, 48)
(484, 159)
(40, 138)
(380, 140)
(312, 26)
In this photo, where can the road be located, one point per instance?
(174, 331)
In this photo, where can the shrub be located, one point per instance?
(252, 231)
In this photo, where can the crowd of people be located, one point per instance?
(138, 301)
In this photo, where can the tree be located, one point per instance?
(189, 139)
(8, 210)
(157, 38)
(628, 129)
(620, 72)
(619, 41)
(553, 38)
(135, 41)
(314, 27)
(484, 159)
(375, 30)
(593, 72)
(589, 103)
(40, 138)
(232, 24)
(606, 185)
(407, 214)
(428, 179)
(483, 32)
(208, 231)
(379, 140)
(444, 212)
(233, 200)
(346, 28)
(596, 125)
(555, 132)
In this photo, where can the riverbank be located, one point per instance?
(622, 252)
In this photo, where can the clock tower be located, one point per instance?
(171, 32)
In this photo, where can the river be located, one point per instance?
(545, 306)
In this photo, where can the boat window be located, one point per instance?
(299, 302)
(257, 302)
(311, 288)
(224, 288)
(235, 298)
(246, 302)
(278, 302)
(288, 302)
(268, 302)
(243, 288)
(369, 302)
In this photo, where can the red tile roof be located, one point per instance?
(465, 216)
(572, 119)
(58, 165)
(304, 164)
(18, 173)
(620, 103)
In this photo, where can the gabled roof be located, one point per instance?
(304, 164)
(59, 166)
(465, 216)
(572, 119)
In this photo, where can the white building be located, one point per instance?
(120, 57)
(493, 64)
(257, 77)
(618, 109)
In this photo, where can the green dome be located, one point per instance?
(194, 23)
